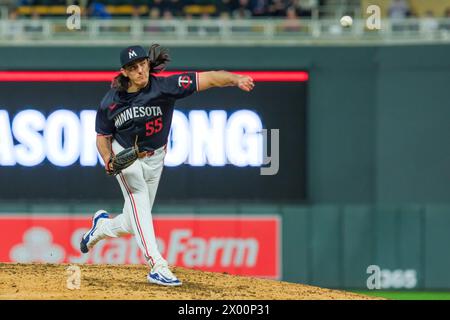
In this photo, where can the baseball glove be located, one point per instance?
(122, 160)
(159, 58)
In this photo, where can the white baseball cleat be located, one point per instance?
(161, 274)
(89, 239)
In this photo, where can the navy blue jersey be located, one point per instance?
(146, 114)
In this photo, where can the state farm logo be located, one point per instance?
(244, 245)
(199, 252)
(181, 249)
(37, 246)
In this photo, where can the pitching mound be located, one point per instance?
(49, 281)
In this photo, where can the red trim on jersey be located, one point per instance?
(135, 214)
(196, 81)
(107, 76)
(104, 135)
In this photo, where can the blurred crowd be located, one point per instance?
(399, 10)
(182, 8)
(290, 10)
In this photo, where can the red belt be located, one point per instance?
(150, 153)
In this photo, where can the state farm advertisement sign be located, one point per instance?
(244, 245)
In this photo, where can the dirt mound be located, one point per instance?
(49, 281)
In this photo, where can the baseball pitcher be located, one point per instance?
(133, 124)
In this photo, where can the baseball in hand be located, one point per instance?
(346, 21)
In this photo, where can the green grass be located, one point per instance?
(407, 295)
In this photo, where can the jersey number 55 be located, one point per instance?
(153, 126)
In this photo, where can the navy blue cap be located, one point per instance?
(131, 54)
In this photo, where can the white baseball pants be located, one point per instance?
(139, 183)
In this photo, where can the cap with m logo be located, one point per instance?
(131, 54)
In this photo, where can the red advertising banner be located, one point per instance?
(244, 245)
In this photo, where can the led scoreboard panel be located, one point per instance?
(215, 149)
